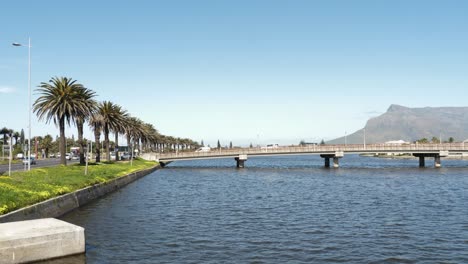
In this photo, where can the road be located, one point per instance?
(39, 163)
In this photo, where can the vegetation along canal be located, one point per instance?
(283, 209)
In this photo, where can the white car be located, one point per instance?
(31, 160)
(68, 156)
(203, 149)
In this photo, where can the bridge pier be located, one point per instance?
(336, 157)
(437, 161)
(422, 162)
(240, 160)
(436, 157)
(335, 162)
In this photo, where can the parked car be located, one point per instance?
(20, 156)
(112, 156)
(125, 156)
(75, 157)
(31, 160)
(58, 155)
(68, 156)
(52, 155)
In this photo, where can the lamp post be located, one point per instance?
(29, 104)
(364, 138)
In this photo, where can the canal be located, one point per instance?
(283, 209)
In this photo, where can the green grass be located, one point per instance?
(26, 188)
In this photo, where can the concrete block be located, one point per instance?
(41, 239)
(242, 156)
(443, 153)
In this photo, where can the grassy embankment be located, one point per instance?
(26, 188)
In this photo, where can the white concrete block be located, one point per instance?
(40, 239)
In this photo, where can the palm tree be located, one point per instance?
(119, 127)
(16, 135)
(4, 131)
(133, 130)
(112, 116)
(46, 144)
(96, 123)
(62, 101)
(88, 102)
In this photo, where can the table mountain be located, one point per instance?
(410, 124)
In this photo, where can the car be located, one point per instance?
(52, 155)
(203, 149)
(20, 156)
(112, 156)
(58, 155)
(68, 156)
(75, 157)
(31, 160)
(125, 156)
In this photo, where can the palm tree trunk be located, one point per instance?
(97, 136)
(116, 146)
(63, 160)
(79, 126)
(129, 145)
(106, 142)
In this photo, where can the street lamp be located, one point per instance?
(29, 104)
(364, 138)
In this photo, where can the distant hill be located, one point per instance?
(411, 124)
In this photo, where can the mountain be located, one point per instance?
(410, 124)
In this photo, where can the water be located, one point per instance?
(283, 209)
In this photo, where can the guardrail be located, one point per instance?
(320, 149)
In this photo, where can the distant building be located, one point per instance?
(397, 142)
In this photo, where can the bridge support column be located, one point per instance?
(422, 162)
(436, 155)
(240, 160)
(336, 157)
(437, 161)
(336, 162)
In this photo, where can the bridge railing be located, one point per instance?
(368, 148)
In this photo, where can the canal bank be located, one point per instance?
(60, 205)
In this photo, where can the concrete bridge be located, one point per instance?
(327, 152)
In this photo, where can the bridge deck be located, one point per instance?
(319, 150)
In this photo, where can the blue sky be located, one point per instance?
(241, 71)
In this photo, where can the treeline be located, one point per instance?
(434, 140)
(64, 101)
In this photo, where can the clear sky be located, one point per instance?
(246, 71)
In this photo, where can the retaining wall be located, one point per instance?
(58, 206)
